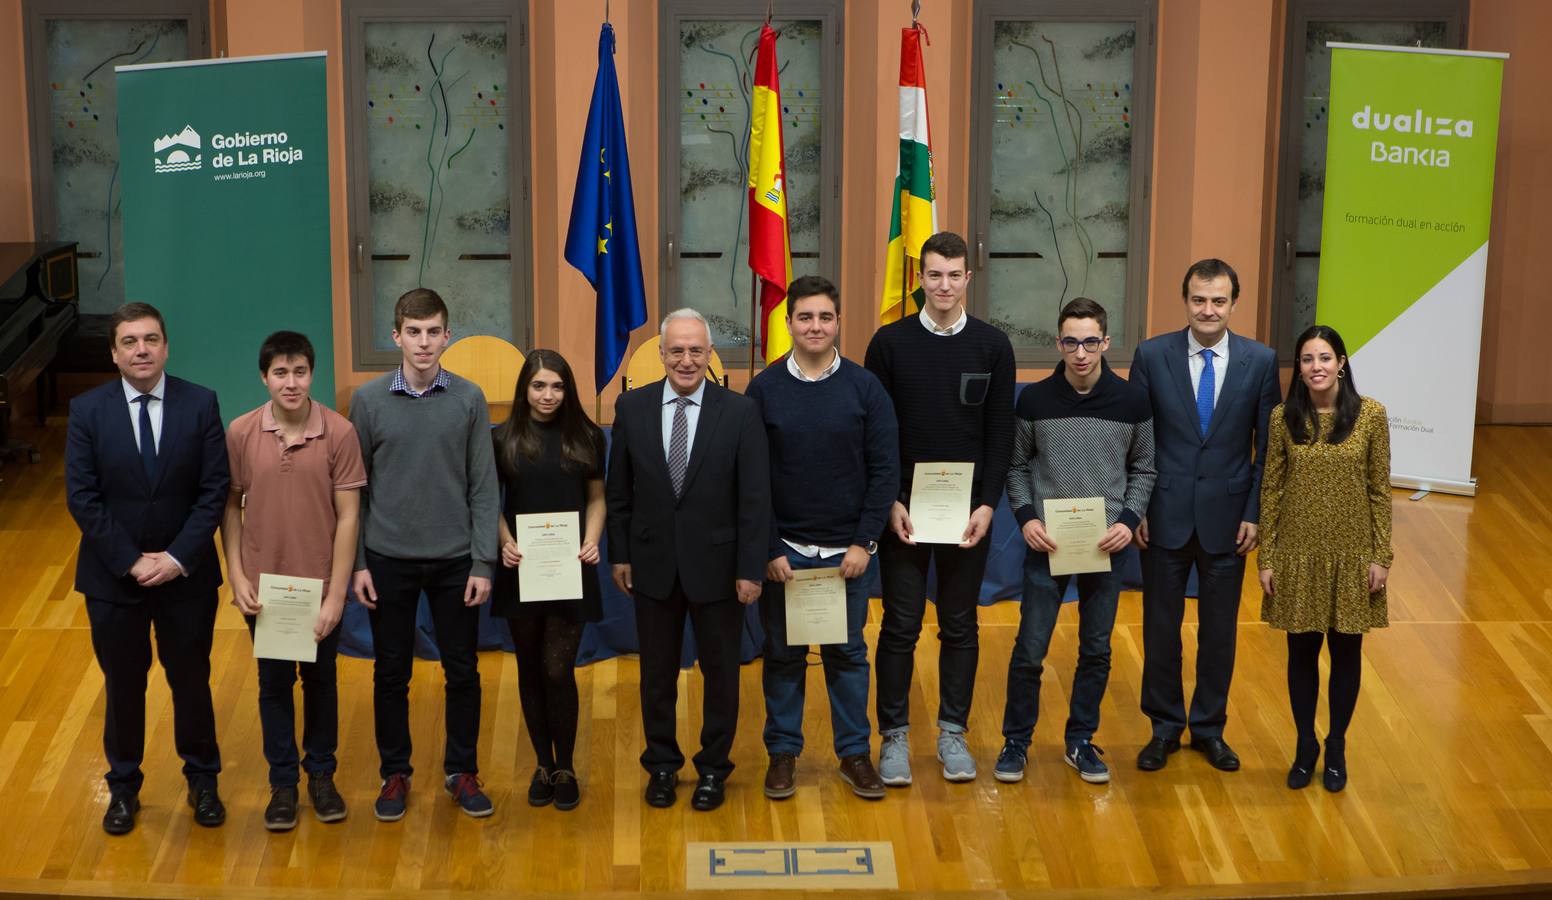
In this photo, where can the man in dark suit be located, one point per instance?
(1212, 392)
(146, 479)
(689, 518)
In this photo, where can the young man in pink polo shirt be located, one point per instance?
(296, 467)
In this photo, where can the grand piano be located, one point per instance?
(38, 312)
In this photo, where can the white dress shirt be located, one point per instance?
(155, 409)
(1197, 362)
(692, 415)
(155, 406)
(814, 551)
(957, 327)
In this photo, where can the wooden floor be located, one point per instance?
(1450, 752)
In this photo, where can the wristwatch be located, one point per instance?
(872, 548)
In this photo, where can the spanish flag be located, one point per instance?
(915, 214)
(770, 244)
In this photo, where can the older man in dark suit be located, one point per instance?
(1212, 392)
(146, 478)
(689, 517)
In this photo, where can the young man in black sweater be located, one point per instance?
(1083, 432)
(835, 470)
(951, 377)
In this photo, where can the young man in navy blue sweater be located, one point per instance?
(835, 469)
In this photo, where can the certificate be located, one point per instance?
(288, 613)
(550, 569)
(816, 607)
(1076, 527)
(940, 501)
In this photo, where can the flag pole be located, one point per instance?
(754, 306)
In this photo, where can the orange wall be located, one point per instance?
(15, 158)
(1515, 381)
(1213, 177)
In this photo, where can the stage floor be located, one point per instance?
(1450, 751)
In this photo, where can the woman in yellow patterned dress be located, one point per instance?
(1325, 540)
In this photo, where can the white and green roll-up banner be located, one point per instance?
(1403, 253)
(225, 172)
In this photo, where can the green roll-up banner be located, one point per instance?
(1412, 142)
(225, 171)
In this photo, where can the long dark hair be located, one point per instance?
(518, 438)
(1299, 409)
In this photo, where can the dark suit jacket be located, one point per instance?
(1206, 485)
(718, 531)
(122, 513)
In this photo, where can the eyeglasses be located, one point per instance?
(696, 354)
(1071, 345)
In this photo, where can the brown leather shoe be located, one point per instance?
(780, 778)
(858, 772)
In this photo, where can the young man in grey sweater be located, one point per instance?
(429, 515)
(1083, 432)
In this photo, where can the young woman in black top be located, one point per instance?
(550, 457)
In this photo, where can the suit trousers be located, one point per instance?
(1219, 579)
(121, 639)
(903, 570)
(399, 584)
(320, 712)
(660, 633)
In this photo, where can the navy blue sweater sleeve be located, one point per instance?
(883, 462)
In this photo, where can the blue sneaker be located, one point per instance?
(390, 801)
(464, 788)
(958, 764)
(1011, 762)
(894, 758)
(1084, 757)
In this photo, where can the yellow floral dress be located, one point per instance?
(1325, 516)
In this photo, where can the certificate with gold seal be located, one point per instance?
(550, 543)
(288, 613)
(940, 501)
(1076, 527)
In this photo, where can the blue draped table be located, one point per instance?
(616, 633)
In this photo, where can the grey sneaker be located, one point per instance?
(958, 764)
(1084, 757)
(894, 759)
(1011, 762)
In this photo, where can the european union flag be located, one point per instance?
(601, 241)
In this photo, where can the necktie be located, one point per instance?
(1204, 392)
(678, 445)
(147, 438)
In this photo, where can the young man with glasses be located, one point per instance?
(1082, 432)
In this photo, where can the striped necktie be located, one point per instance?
(678, 445)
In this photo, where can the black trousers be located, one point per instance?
(1219, 578)
(399, 584)
(903, 570)
(320, 712)
(121, 639)
(660, 632)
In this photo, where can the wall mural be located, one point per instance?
(716, 59)
(1061, 173)
(437, 120)
(80, 57)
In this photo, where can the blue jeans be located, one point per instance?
(1098, 593)
(786, 670)
(320, 712)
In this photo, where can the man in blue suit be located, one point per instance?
(1212, 392)
(146, 479)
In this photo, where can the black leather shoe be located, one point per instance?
(1217, 753)
(709, 792)
(280, 814)
(208, 809)
(660, 789)
(1155, 754)
(120, 817)
(1303, 768)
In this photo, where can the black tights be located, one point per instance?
(1304, 681)
(547, 685)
